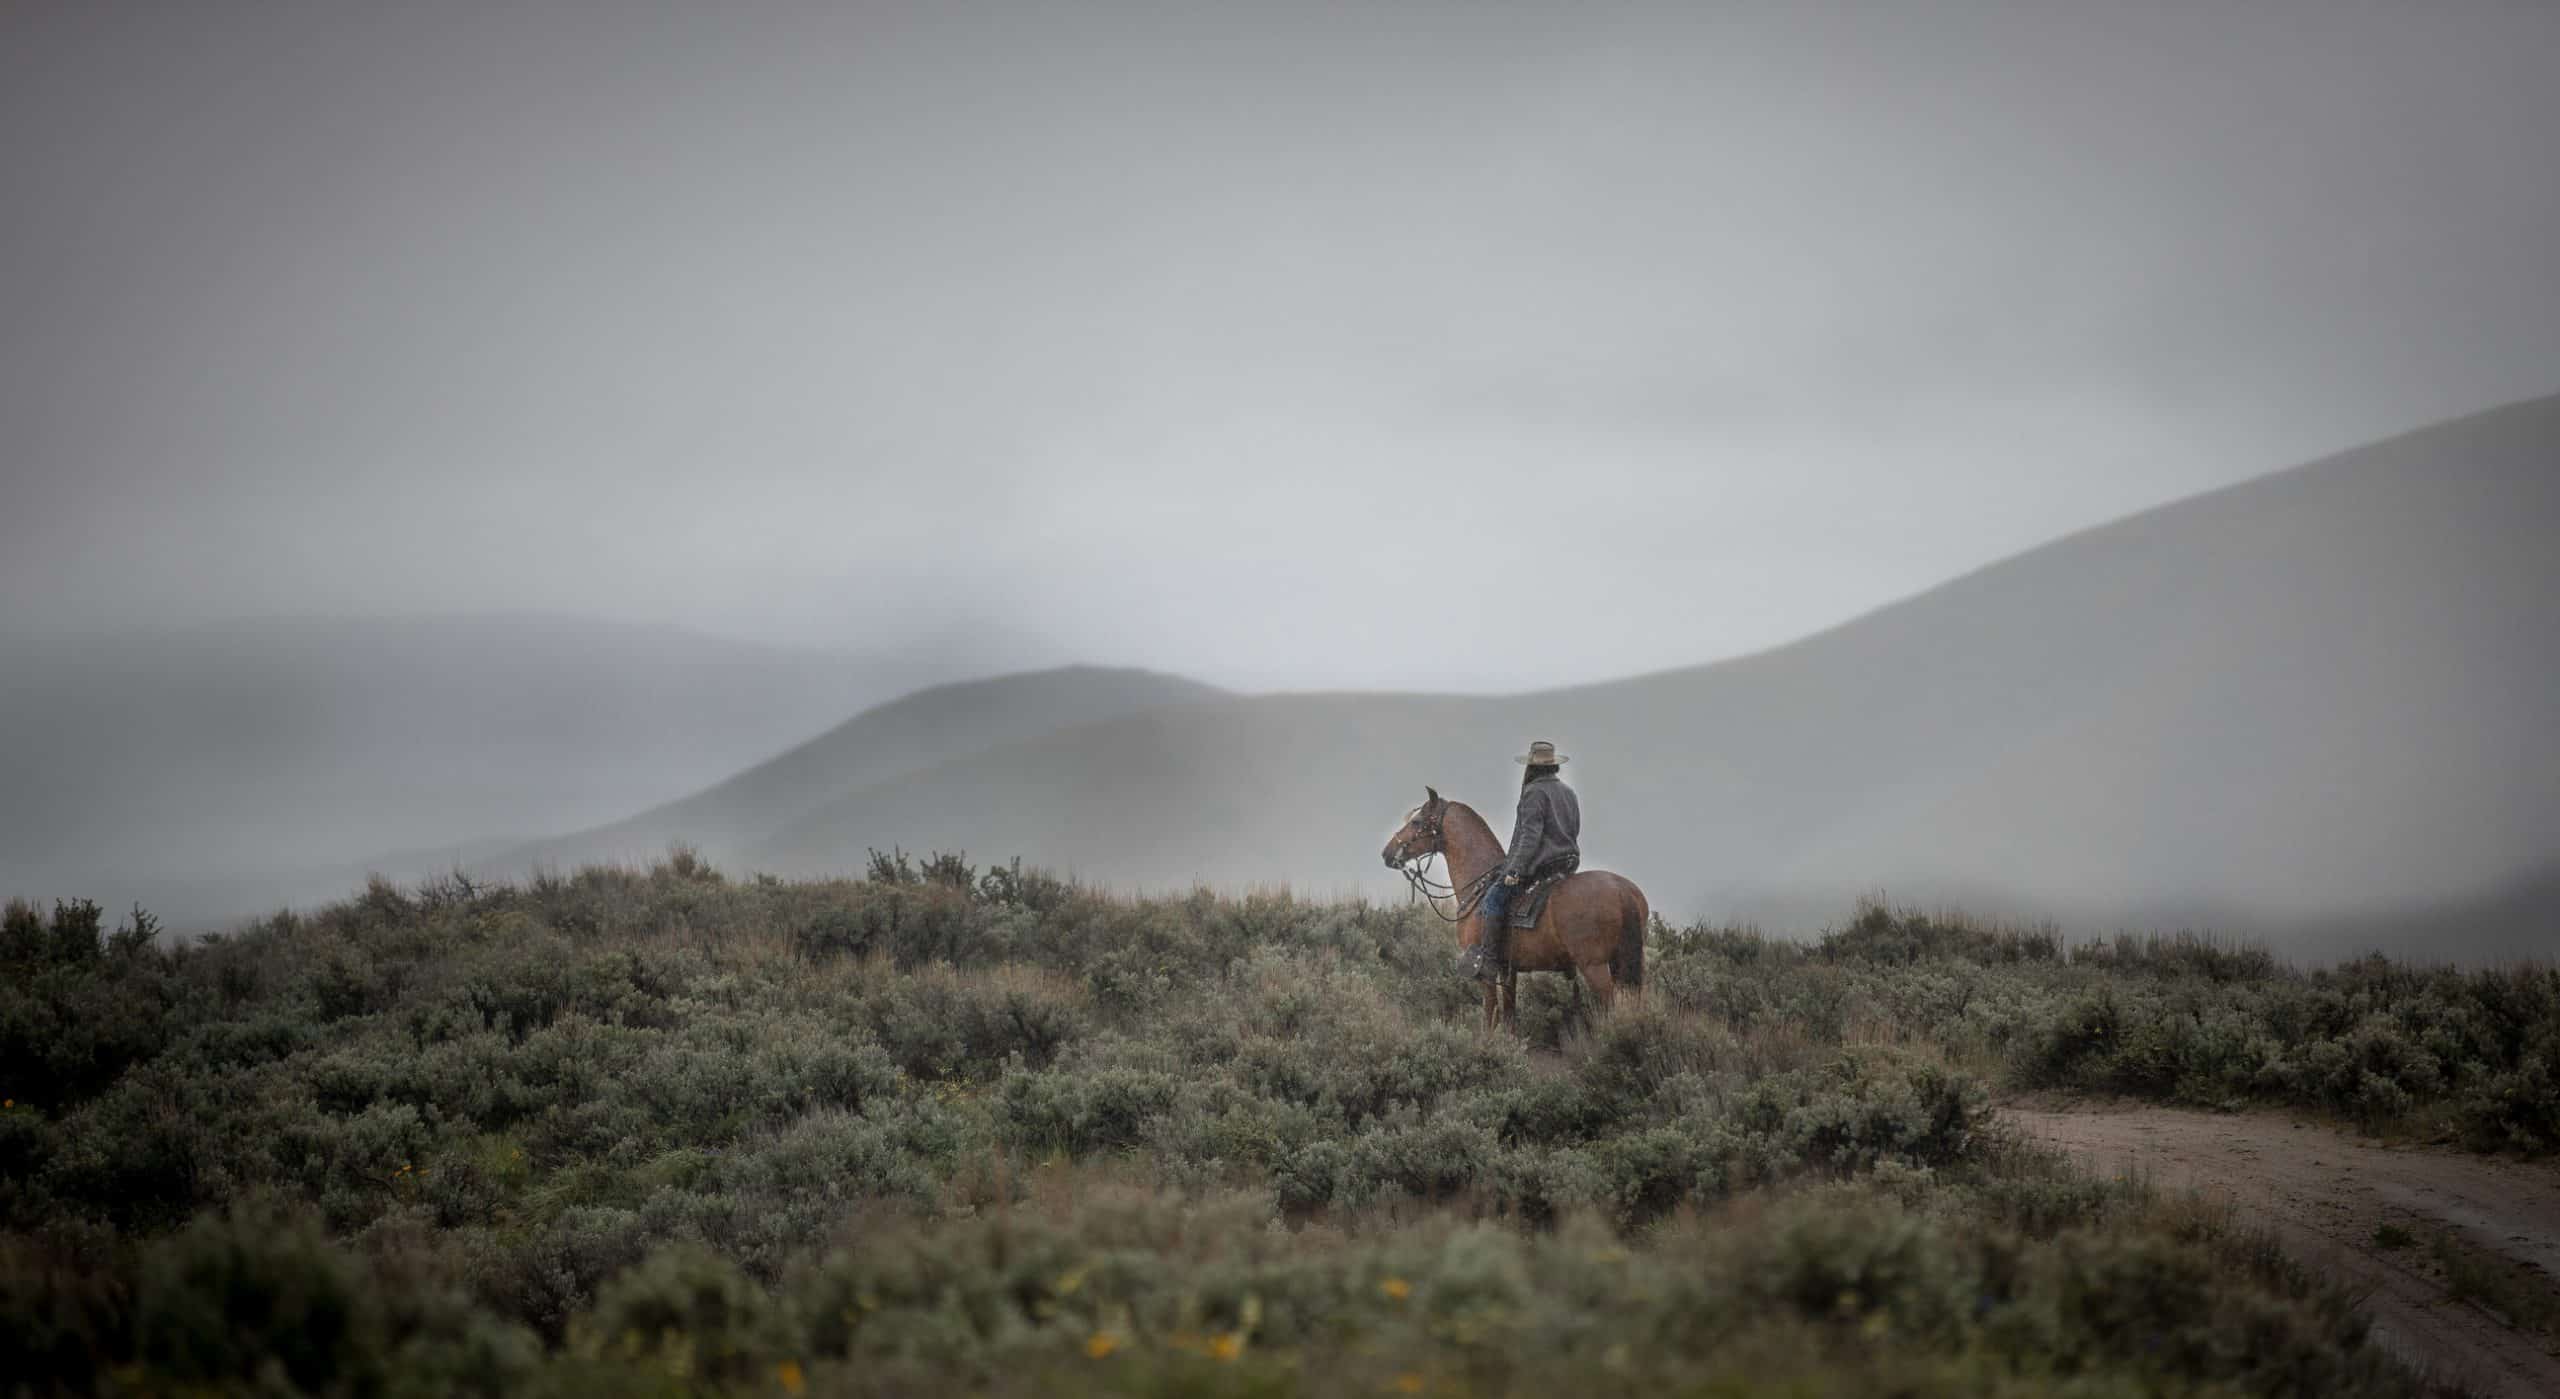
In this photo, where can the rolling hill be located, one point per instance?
(2320, 694)
(223, 769)
(730, 819)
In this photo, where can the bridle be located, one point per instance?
(1432, 891)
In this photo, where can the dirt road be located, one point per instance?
(2329, 1196)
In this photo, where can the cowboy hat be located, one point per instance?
(1542, 754)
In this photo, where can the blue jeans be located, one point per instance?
(1497, 897)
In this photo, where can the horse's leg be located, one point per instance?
(1492, 1007)
(1604, 988)
(1511, 1000)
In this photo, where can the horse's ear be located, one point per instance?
(1432, 792)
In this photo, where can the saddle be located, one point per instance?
(1530, 903)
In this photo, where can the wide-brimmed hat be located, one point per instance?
(1542, 754)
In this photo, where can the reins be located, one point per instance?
(1432, 891)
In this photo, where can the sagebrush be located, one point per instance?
(628, 1130)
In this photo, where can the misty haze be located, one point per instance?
(959, 530)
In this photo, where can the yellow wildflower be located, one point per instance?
(1100, 1344)
(1226, 1345)
(788, 1373)
(1396, 1289)
(1410, 1382)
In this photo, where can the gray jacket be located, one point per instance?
(1548, 828)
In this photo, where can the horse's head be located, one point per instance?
(1420, 835)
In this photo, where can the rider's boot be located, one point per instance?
(1496, 949)
(1485, 961)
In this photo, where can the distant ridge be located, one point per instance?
(893, 740)
(2323, 692)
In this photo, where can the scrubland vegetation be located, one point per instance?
(665, 1132)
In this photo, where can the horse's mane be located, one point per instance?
(1472, 814)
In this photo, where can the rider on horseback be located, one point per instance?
(1544, 836)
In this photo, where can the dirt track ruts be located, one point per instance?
(2325, 1194)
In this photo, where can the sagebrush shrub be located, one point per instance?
(692, 1312)
(933, 1129)
(259, 1302)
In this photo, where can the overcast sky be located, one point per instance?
(1466, 345)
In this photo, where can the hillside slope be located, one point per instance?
(895, 739)
(2323, 690)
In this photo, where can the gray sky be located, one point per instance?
(1253, 342)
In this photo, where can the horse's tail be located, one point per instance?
(1626, 960)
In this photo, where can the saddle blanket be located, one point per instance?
(1530, 903)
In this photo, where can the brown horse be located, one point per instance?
(1594, 923)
